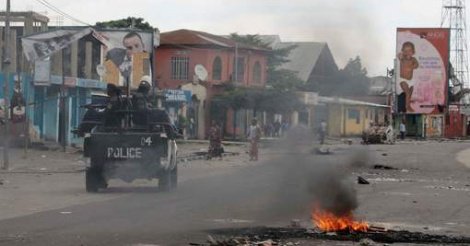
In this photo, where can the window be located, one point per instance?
(180, 68)
(257, 73)
(354, 114)
(239, 70)
(217, 69)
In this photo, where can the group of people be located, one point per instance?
(275, 129)
(139, 107)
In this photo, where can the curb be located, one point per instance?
(182, 159)
(201, 157)
(195, 141)
(40, 172)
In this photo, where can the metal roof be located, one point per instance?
(338, 100)
(303, 58)
(197, 38)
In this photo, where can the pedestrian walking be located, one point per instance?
(323, 128)
(277, 128)
(254, 136)
(192, 132)
(215, 142)
(389, 133)
(402, 130)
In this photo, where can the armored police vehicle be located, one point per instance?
(127, 139)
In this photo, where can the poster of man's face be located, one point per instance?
(126, 57)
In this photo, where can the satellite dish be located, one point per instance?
(200, 72)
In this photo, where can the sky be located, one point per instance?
(365, 28)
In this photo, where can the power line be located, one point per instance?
(60, 12)
(47, 4)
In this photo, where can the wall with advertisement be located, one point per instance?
(422, 70)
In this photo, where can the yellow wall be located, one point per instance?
(342, 122)
(335, 120)
(358, 118)
(354, 120)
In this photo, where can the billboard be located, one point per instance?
(43, 45)
(126, 56)
(422, 69)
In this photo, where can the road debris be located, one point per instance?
(361, 180)
(295, 223)
(384, 167)
(367, 242)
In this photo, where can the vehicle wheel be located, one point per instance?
(164, 181)
(102, 184)
(92, 180)
(174, 177)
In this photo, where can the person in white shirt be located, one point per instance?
(254, 135)
(323, 128)
(402, 130)
(390, 138)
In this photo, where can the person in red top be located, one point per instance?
(215, 142)
(254, 135)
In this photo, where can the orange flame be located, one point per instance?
(329, 222)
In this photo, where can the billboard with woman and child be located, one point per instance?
(421, 71)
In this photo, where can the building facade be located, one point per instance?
(204, 64)
(70, 75)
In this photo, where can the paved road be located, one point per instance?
(428, 192)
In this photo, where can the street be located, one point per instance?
(427, 191)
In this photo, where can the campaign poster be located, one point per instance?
(42, 45)
(126, 56)
(422, 66)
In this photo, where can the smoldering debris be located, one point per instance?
(307, 181)
(384, 167)
(284, 236)
(363, 181)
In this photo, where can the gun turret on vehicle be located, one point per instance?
(127, 138)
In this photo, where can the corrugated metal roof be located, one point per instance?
(338, 100)
(272, 40)
(191, 37)
(303, 58)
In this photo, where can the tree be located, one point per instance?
(129, 22)
(280, 79)
(352, 80)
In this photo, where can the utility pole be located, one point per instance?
(453, 16)
(6, 65)
(62, 122)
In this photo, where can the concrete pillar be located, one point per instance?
(310, 117)
(1, 47)
(74, 59)
(201, 131)
(294, 118)
(43, 26)
(56, 64)
(13, 51)
(28, 25)
(183, 112)
(88, 59)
